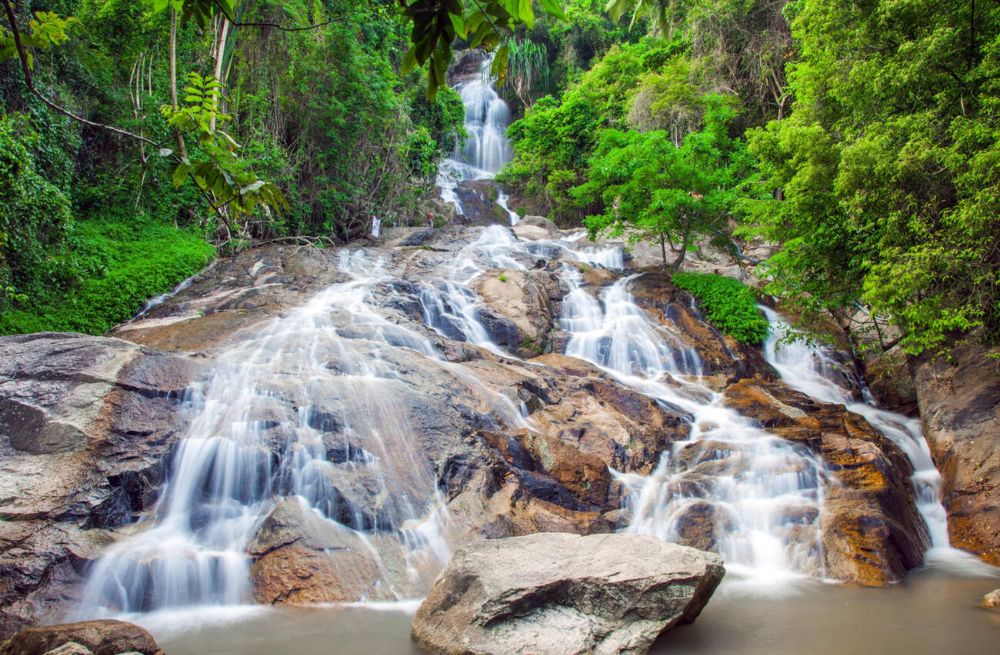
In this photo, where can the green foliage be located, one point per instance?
(118, 266)
(480, 23)
(889, 167)
(554, 140)
(35, 217)
(649, 188)
(728, 304)
(235, 191)
(45, 31)
(528, 64)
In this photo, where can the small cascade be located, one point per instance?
(486, 147)
(450, 306)
(761, 494)
(306, 410)
(815, 372)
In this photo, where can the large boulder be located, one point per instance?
(104, 637)
(300, 558)
(960, 411)
(563, 594)
(86, 427)
(479, 203)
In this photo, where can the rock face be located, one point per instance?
(235, 294)
(86, 424)
(871, 531)
(889, 378)
(479, 202)
(563, 594)
(526, 299)
(107, 637)
(960, 411)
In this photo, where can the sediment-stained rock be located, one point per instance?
(871, 530)
(960, 411)
(564, 595)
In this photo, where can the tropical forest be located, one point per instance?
(499, 327)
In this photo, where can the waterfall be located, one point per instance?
(486, 147)
(303, 409)
(763, 494)
(812, 370)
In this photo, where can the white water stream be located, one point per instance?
(486, 148)
(761, 494)
(300, 410)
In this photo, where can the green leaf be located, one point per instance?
(181, 174)
(458, 23)
(499, 68)
(553, 8)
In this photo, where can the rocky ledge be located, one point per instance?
(107, 637)
(564, 594)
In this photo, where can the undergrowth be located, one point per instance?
(728, 304)
(117, 265)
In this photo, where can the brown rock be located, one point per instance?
(523, 298)
(960, 411)
(301, 558)
(889, 378)
(105, 637)
(871, 530)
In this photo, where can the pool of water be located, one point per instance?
(933, 612)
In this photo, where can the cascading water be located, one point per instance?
(763, 493)
(304, 410)
(486, 147)
(813, 371)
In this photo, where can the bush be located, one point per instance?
(728, 304)
(119, 265)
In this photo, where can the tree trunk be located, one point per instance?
(181, 149)
(683, 251)
(220, 52)
(663, 249)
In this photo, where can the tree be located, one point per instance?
(527, 63)
(651, 189)
(889, 167)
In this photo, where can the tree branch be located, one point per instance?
(277, 26)
(29, 82)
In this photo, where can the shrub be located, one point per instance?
(728, 304)
(119, 265)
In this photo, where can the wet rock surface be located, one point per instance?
(960, 411)
(722, 356)
(86, 425)
(564, 594)
(515, 438)
(105, 637)
(872, 533)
